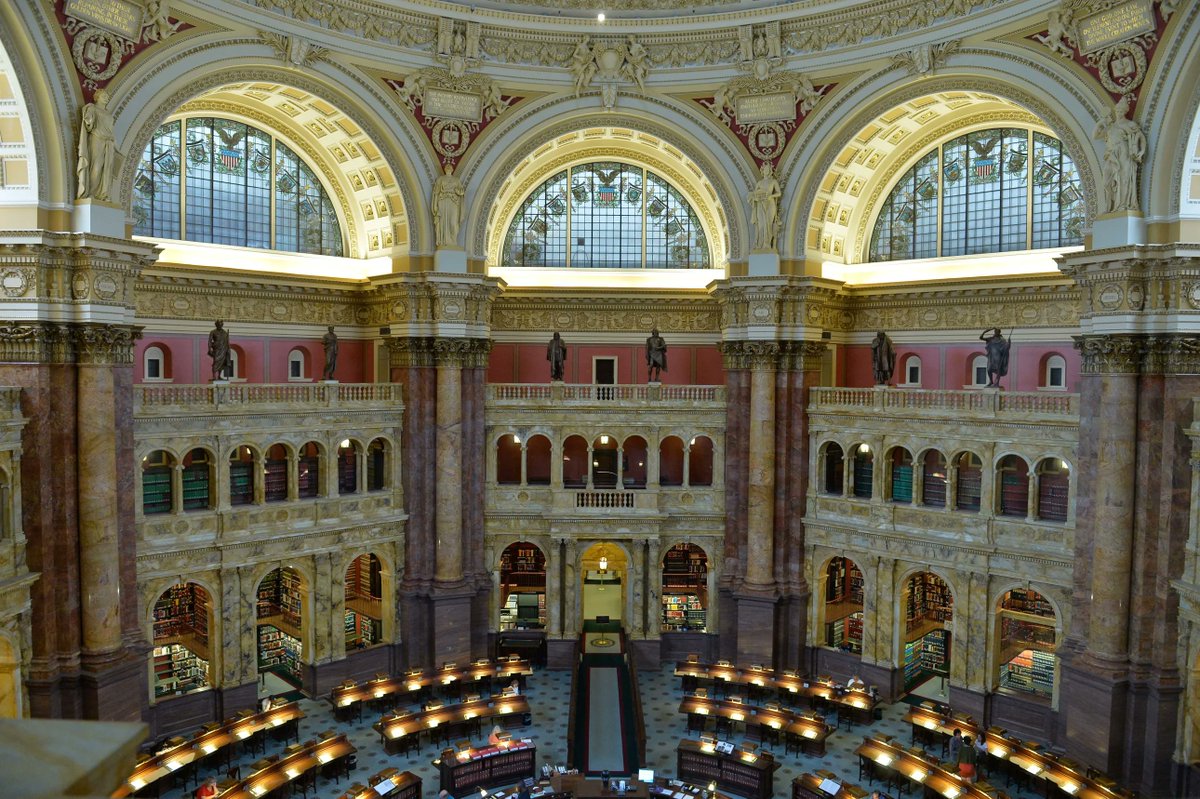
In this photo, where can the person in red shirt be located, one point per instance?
(208, 790)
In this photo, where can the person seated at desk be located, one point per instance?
(496, 736)
(514, 688)
(208, 790)
(523, 791)
(855, 683)
(444, 794)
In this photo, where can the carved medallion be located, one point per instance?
(14, 282)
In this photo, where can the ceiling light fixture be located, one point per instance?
(600, 17)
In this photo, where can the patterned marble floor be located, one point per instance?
(548, 692)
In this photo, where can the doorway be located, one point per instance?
(604, 567)
(604, 373)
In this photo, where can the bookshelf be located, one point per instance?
(278, 651)
(347, 466)
(156, 490)
(523, 611)
(279, 594)
(902, 482)
(178, 670)
(732, 772)
(683, 612)
(182, 612)
(1053, 495)
(488, 766)
(845, 633)
(929, 600)
(863, 471)
(362, 630)
(1014, 493)
(926, 656)
(1031, 671)
(970, 484)
(241, 482)
(684, 589)
(933, 481)
(308, 477)
(1027, 601)
(275, 481)
(196, 494)
(522, 566)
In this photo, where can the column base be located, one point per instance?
(450, 623)
(116, 691)
(561, 653)
(755, 625)
(1094, 708)
(358, 665)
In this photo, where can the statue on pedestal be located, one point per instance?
(218, 350)
(448, 203)
(764, 208)
(883, 358)
(97, 149)
(656, 356)
(997, 355)
(556, 354)
(330, 341)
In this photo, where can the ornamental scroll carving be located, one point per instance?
(47, 342)
(450, 108)
(101, 38)
(608, 64)
(293, 50)
(764, 109)
(927, 58)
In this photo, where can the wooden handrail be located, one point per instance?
(574, 701)
(639, 725)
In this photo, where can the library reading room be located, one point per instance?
(691, 399)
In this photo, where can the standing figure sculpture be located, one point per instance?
(556, 354)
(883, 358)
(656, 356)
(997, 355)
(218, 350)
(448, 197)
(97, 149)
(330, 341)
(764, 208)
(1124, 149)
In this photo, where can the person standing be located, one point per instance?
(966, 760)
(956, 741)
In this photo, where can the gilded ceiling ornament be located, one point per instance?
(924, 59)
(451, 108)
(292, 49)
(457, 45)
(100, 42)
(608, 64)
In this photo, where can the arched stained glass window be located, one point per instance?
(988, 195)
(606, 215)
(215, 180)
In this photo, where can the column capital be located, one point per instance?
(463, 353)
(1110, 354)
(52, 342)
(1122, 353)
(785, 307)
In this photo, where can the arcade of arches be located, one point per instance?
(878, 350)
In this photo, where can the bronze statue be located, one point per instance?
(997, 355)
(656, 356)
(330, 340)
(556, 354)
(883, 358)
(218, 350)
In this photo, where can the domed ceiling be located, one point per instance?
(674, 10)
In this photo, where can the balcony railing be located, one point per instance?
(155, 397)
(979, 403)
(522, 394)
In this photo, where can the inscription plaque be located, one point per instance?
(1117, 24)
(121, 17)
(752, 108)
(453, 105)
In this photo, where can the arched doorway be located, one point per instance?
(843, 605)
(364, 602)
(684, 589)
(1026, 639)
(281, 630)
(604, 570)
(928, 607)
(522, 587)
(180, 659)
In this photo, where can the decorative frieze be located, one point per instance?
(70, 269)
(462, 353)
(781, 308)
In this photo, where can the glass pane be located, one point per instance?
(538, 233)
(1057, 198)
(156, 186)
(907, 224)
(674, 238)
(199, 179)
(602, 217)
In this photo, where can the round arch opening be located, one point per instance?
(522, 587)
(1026, 640)
(843, 605)
(282, 630)
(685, 589)
(925, 628)
(364, 602)
(182, 618)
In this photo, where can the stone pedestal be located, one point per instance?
(451, 623)
(450, 260)
(756, 613)
(763, 263)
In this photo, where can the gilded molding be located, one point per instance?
(71, 269)
(82, 343)
(179, 297)
(410, 353)
(605, 315)
(1110, 354)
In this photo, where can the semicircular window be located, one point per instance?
(997, 190)
(224, 182)
(606, 215)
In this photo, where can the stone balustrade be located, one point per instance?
(979, 403)
(586, 394)
(212, 397)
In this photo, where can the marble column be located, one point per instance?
(448, 523)
(760, 523)
(554, 565)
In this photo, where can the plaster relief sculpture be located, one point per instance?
(448, 205)
(1124, 149)
(97, 149)
(764, 208)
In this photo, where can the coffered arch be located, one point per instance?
(852, 156)
(710, 174)
(345, 126)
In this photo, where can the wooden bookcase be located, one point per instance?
(489, 766)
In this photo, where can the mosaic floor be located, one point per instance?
(548, 692)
